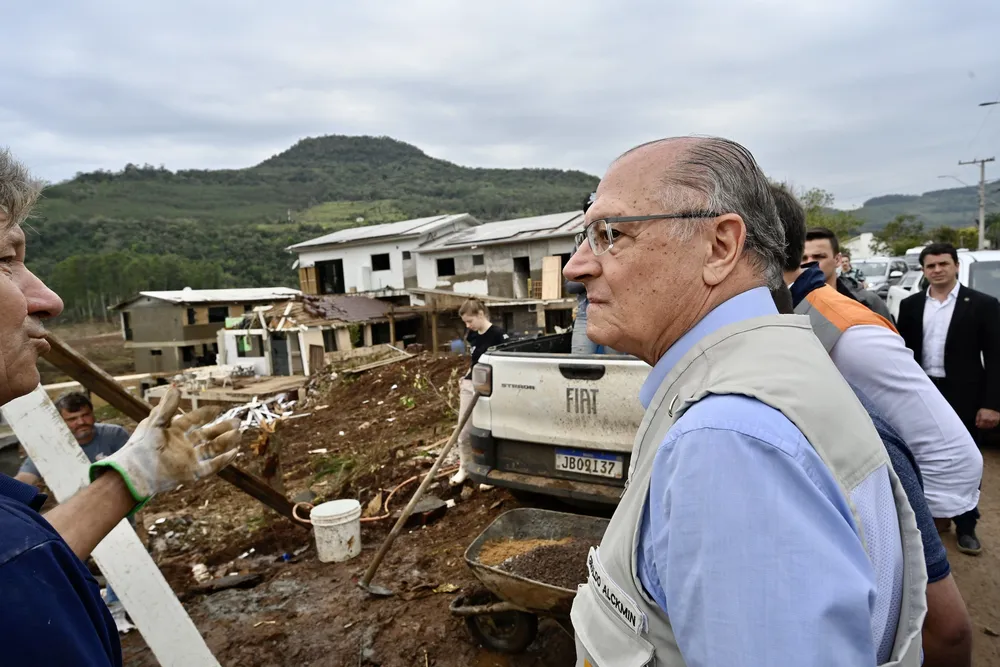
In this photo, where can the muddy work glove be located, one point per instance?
(166, 451)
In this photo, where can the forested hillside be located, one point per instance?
(102, 236)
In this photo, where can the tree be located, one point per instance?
(966, 237)
(993, 229)
(901, 234)
(818, 204)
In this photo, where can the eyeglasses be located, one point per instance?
(601, 235)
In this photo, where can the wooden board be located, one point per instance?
(307, 280)
(551, 277)
(93, 378)
(121, 556)
(317, 359)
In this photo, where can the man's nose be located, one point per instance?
(43, 303)
(582, 265)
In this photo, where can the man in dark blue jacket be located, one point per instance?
(52, 612)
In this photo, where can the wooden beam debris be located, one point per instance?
(90, 376)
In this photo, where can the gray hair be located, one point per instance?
(726, 177)
(18, 190)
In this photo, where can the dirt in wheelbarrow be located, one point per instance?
(561, 563)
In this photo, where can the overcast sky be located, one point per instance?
(860, 97)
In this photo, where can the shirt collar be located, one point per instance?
(21, 492)
(753, 303)
(953, 294)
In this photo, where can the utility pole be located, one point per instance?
(982, 197)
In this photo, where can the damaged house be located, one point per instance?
(169, 331)
(298, 336)
(373, 257)
(514, 259)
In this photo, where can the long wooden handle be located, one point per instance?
(408, 510)
(95, 379)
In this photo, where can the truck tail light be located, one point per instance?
(482, 379)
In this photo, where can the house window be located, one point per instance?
(478, 260)
(381, 262)
(406, 255)
(192, 316)
(380, 333)
(446, 267)
(329, 340)
(250, 346)
(247, 307)
(218, 313)
(187, 353)
(156, 353)
(127, 326)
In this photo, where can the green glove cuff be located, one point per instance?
(95, 472)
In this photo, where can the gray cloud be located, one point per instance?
(856, 97)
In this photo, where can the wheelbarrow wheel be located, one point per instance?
(505, 632)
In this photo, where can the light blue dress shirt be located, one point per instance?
(746, 540)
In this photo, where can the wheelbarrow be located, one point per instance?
(504, 616)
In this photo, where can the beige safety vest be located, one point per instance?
(778, 361)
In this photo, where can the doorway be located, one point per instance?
(522, 272)
(279, 354)
(330, 277)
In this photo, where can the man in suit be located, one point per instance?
(954, 333)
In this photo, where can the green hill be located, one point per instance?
(955, 207)
(104, 235)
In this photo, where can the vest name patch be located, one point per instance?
(613, 596)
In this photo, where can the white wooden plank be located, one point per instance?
(146, 595)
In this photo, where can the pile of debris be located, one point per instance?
(258, 414)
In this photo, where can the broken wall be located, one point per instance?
(496, 275)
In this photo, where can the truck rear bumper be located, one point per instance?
(486, 465)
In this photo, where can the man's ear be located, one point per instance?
(725, 237)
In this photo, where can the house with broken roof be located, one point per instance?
(169, 331)
(373, 257)
(308, 332)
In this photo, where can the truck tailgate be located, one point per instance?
(584, 402)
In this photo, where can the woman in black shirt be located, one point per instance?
(482, 335)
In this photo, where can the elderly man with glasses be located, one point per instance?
(762, 523)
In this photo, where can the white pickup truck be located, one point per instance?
(555, 423)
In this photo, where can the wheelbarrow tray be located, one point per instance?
(528, 524)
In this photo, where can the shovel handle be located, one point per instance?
(408, 510)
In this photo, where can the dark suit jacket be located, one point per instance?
(973, 338)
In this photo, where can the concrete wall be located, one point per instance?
(496, 275)
(152, 320)
(146, 361)
(262, 365)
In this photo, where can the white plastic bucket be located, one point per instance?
(337, 527)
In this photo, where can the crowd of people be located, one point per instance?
(787, 483)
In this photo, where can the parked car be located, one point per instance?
(881, 273)
(913, 281)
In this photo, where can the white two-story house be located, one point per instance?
(374, 257)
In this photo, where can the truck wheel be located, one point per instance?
(506, 632)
